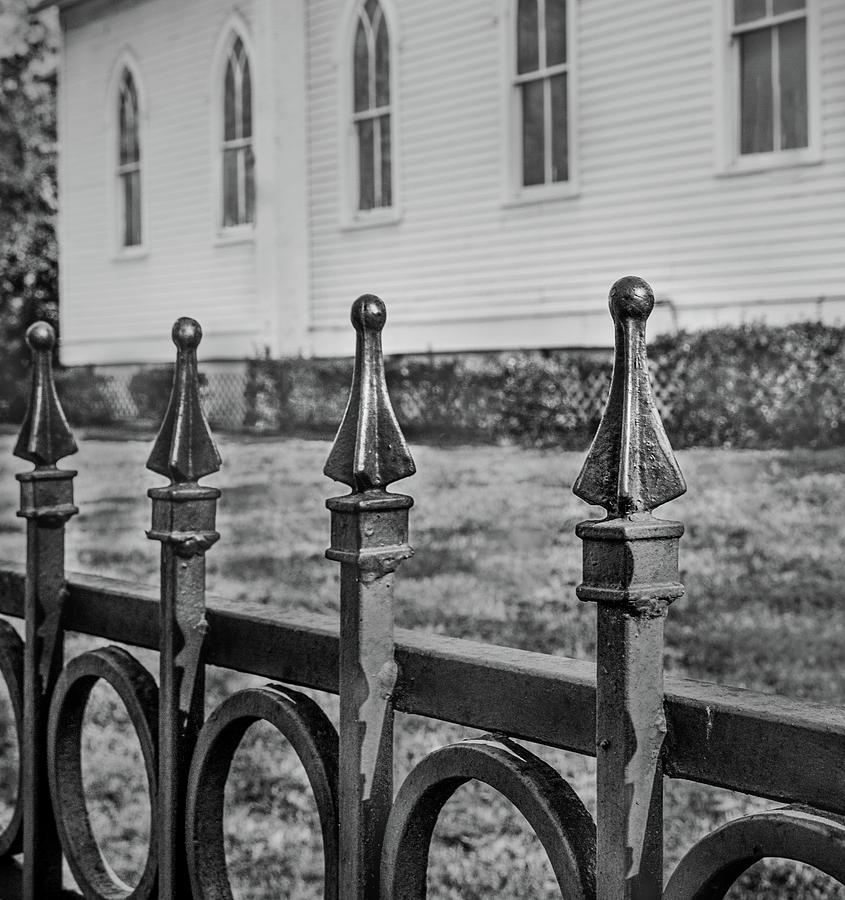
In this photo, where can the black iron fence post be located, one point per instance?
(183, 520)
(46, 504)
(369, 539)
(631, 572)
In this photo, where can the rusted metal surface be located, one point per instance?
(311, 736)
(369, 538)
(630, 466)
(183, 520)
(631, 572)
(137, 690)
(794, 832)
(45, 436)
(184, 450)
(552, 809)
(630, 728)
(46, 504)
(369, 450)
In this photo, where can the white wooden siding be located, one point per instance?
(462, 270)
(122, 309)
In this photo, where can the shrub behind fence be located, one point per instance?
(747, 386)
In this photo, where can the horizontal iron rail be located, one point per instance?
(744, 740)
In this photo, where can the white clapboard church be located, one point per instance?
(489, 167)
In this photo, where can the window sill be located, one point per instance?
(542, 193)
(770, 162)
(374, 219)
(236, 234)
(124, 254)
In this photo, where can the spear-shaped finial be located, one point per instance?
(184, 450)
(630, 466)
(45, 436)
(369, 451)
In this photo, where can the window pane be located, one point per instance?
(555, 32)
(386, 163)
(793, 84)
(785, 6)
(128, 122)
(126, 183)
(560, 162)
(756, 119)
(533, 154)
(246, 100)
(362, 69)
(125, 135)
(249, 183)
(748, 10)
(229, 126)
(230, 187)
(366, 180)
(382, 64)
(528, 39)
(131, 209)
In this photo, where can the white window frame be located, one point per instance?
(351, 217)
(234, 27)
(514, 192)
(126, 62)
(729, 160)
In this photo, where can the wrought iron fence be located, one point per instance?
(640, 727)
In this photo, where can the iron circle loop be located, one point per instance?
(11, 668)
(559, 818)
(139, 694)
(796, 832)
(314, 740)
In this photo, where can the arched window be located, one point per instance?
(238, 157)
(371, 108)
(129, 160)
(542, 86)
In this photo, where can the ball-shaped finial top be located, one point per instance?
(631, 298)
(369, 313)
(41, 336)
(187, 333)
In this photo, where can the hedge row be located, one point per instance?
(746, 386)
(758, 386)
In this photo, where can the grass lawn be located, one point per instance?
(497, 560)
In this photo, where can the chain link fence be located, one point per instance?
(137, 396)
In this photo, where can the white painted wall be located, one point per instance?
(119, 306)
(462, 268)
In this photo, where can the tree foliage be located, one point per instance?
(28, 255)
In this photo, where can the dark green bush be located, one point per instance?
(85, 397)
(756, 385)
(452, 398)
(554, 398)
(150, 388)
(292, 395)
(744, 386)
